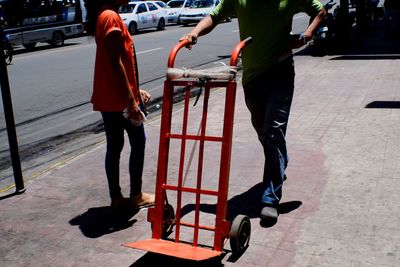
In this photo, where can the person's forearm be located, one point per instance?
(205, 26)
(315, 23)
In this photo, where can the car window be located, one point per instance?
(202, 4)
(151, 6)
(188, 3)
(175, 4)
(127, 8)
(141, 8)
(161, 4)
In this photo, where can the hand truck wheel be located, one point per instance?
(169, 219)
(239, 235)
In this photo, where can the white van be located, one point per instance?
(30, 22)
(140, 15)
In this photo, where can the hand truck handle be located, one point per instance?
(238, 48)
(234, 57)
(174, 51)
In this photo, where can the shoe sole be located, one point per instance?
(270, 214)
(144, 206)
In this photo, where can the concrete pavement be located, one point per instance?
(340, 203)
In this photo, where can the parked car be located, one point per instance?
(197, 11)
(175, 8)
(161, 4)
(139, 15)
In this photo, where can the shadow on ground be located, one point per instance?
(99, 221)
(153, 259)
(374, 42)
(247, 203)
(384, 105)
(21, 50)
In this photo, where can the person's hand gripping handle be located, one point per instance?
(190, 38)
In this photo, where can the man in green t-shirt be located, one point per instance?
(268, 75)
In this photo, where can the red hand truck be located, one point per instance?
(162, 216)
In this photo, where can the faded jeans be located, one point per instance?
(269, 97)
(114, 126)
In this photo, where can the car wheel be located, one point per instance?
(161, 24)
(132, 28)
(58, 39)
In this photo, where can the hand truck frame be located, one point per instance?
(162, 215)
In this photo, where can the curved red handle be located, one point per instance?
(234, 57)
(236, 51)
(174, 51)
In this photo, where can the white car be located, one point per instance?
(161, 4)
(175, 8)
(197, 11)
(141, 15)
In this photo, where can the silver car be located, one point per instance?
(175, 8)
(197, 11)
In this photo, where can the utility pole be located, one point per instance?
(9, 116)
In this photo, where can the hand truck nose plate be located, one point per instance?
(179, 250)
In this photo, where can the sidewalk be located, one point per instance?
(340, 203)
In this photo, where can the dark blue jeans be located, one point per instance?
(114, 126)
(269, 97)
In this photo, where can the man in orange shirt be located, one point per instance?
(115, 90)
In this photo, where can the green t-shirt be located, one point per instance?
(269, 23)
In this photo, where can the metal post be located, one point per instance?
(361, 14)
(9, 116)
(344, 24)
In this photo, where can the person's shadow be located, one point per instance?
(99, 221)
(247, 203)
(154, 259)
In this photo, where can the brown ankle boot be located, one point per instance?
(142, 200)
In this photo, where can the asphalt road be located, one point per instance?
(46, 81)
(51, 89)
